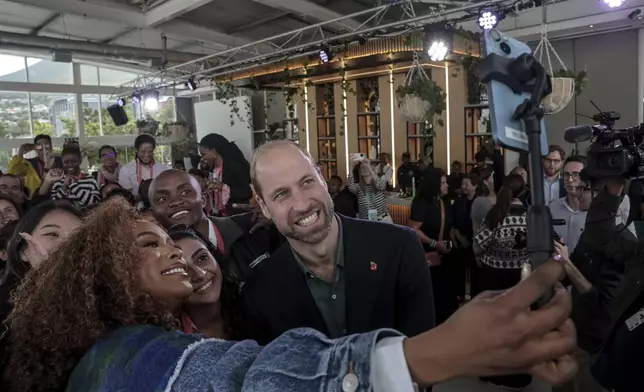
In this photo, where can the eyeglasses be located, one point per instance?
(572, 175)
(110, 154)
(552, 161)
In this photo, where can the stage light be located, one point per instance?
(136, 97)
(614, 3)
(438, 50)
(488, 20)
(325, 53)
(120, 102)
(192, 84)
(151, 101)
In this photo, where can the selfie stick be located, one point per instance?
(525, 70)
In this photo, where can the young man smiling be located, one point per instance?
(176, 199)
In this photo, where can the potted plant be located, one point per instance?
(580, 78)
(420, 100)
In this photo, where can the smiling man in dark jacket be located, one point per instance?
(176, 199)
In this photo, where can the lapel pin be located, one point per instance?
(373, 266)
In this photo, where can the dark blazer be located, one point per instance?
(243, 249)
(396, 294)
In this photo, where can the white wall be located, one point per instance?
(214, 117)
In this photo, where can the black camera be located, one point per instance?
(613, 152)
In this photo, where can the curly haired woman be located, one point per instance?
(101, 317)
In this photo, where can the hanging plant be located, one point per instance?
(425, 96)
(580, 78)
(289, 93)
(470, 65)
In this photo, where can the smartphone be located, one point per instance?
(357, 156)
(500, 50)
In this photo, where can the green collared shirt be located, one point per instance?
(329, 297)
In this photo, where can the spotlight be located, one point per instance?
(488, 20)
(614, 3)
(120, 102)
(192, 84)
(151, 101)
(325, 53)
(438, 50)
(136, 97)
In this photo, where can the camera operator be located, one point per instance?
(609, 256)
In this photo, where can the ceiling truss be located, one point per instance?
(302, 42)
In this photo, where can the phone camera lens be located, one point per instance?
(506, 48)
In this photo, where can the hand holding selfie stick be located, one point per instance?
(519, 74)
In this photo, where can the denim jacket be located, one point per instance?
(150, 359)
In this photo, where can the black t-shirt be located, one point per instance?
(462, 211)
(620, 364)
(405, 173)
(430, 215)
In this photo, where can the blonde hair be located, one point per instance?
(266, 147)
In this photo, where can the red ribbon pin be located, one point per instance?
(373, 266)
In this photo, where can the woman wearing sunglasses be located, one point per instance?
(109, 169)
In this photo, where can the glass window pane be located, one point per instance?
(54, 114)
(163, 154)
(164, 113)
(113, 77)
(14, 115)
(109, 128)
(12, 68)
(46, 71)
(89, 75)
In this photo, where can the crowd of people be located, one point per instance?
(145, 277)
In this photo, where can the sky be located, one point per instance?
(9, 64)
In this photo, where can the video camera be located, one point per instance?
(613, 152)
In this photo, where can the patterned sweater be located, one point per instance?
(505, 246)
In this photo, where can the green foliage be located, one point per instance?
(581, 78)
(43, 128)
(428, 91)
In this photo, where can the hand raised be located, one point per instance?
(54, 175)
(498, 334)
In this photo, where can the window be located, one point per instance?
(14, 115)
(54, 114)
(112, 77)
(164, 113)
(46, 71)
(12, 69)
(89, 75)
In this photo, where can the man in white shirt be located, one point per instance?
(143, 167)
(567, 208)
(384, 170)
(553, 187)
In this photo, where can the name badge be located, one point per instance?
(372, 215)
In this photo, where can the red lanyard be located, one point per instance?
(101, 178)
(139, 173)
(75, 179)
